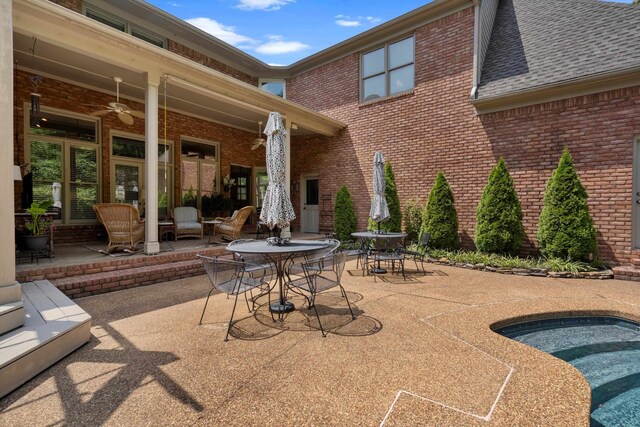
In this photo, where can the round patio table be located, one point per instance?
(367, 236)
(279, 255)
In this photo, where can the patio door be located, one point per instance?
(310, 198)
(635, 197)
(128, 186)
(241, 190)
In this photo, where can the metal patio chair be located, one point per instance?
(297, 265)
(420, 253)
(387, 250)
(232, 278)
(322, 274)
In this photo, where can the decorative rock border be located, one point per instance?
(538, 272)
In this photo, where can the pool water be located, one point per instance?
(607, 352)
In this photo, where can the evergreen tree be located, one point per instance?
(413, 220)
(344, 216)
(440, 219)
(499, 216)
(394, 223)
(566, 229)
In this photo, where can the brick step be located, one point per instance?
(635, 262)
(109, 281)
(626, 272)
(112, 264)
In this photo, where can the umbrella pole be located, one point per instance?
(378, 270)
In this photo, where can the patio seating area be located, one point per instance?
(419, 352)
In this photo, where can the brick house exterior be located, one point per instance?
(434, 127)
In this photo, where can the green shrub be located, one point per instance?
(344, 216)
(566, 229)
(499, 216)
(439, 218)
(413, 220)
(394, 223)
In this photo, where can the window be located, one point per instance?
(200, 174)
(388, 70)
(127, 171)
(124, 26)
(64, 158)
(274, 86)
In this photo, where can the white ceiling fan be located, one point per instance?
(259, 141)
(123, 112)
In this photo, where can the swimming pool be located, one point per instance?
(607, 352)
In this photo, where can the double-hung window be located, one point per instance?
(388, 70)
(121, 25)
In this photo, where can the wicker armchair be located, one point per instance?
(123, 224)
(231, 227)
(188, 222)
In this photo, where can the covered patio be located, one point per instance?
(425, 355)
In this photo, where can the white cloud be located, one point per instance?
(276, 46)
(346, 23)
(267, 5)
(226, 33)
(174, 4)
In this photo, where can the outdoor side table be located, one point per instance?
(211, 227)
(279, 256)
(165, 228)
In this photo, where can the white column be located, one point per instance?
(287, 171)
(151, 245)
(10, 292)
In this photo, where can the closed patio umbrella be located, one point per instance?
(277, 210)
(379, 210)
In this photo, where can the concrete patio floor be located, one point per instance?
(420, 352)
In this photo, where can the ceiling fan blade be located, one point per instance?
(255, 146)
(125, 118)
(138, 114)
(99, 113)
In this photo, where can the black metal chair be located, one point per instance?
(322, 274)
(297, 266)
(232, 278)
(420, 253)
(389, 250)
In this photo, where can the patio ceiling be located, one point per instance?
(73, 48)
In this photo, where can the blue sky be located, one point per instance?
(281, 32)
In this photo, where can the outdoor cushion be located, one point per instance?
(185, 214)
(188, 225)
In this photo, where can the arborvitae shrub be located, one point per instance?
(566, 229)
(394, 223)
(499, 216)
(344, 216)
(413, 220)
(440, 219)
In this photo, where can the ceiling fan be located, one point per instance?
(123, 112)
(259, 141)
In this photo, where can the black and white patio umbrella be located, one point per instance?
(277, 210)
(379, 210)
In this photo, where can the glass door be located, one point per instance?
(128, 184)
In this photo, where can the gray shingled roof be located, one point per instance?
(538, 42)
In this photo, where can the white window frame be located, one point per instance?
(216, 162)
(387, 70)
(140, 163)
(283, 81)
(66, 144)
(129, 28)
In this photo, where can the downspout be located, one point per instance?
(476, 49)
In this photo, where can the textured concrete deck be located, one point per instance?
(420, 352)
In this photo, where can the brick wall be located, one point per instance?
(234, 143)
(75, 5)
(436, 128)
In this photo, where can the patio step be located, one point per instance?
(53, 327)
(626, 272)
(108, 281)
(109, 264)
